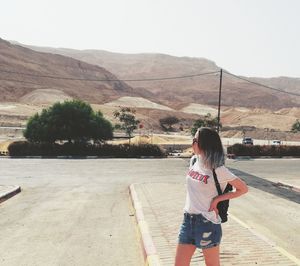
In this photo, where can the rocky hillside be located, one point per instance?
(182, 92)
(243, 104)
(39, 87)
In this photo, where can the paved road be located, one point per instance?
(77, 212)
(275, 170)
(74, 212)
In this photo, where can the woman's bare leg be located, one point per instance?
(212, 256)
(184, 254)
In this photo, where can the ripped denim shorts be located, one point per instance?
(199, 231)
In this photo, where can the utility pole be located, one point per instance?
(219, 107)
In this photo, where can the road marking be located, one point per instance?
(290, 186)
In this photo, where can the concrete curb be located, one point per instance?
(141, 157)
(236, 157)
(150, 254)
(292, 187)
(9, 193)
(80, 157)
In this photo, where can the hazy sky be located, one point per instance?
(246, 37)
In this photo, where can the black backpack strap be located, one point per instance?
(217, 182)
(194, 160)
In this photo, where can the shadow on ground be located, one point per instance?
(268, 186)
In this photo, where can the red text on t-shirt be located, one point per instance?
(197, 176)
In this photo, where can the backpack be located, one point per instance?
(222, 205)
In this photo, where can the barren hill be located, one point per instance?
(243, 104)
(17, 87)
(180, 93)
(44, 96)
(137, 102)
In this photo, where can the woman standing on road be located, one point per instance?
(201, 227)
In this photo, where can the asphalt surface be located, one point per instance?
(78, 212)
(271, 169)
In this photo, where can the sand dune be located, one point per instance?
(157, 139)
(261, 118)
(45, 96)
(200, 109)
(137, 102)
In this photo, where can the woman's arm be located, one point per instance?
(240, 189)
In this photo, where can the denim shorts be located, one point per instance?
(199, 231)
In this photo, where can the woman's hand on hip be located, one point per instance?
(213, 206)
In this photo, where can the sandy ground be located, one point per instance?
(161, 139)
(230, 116)
(12, 108)
(137, 102)
(200, 109)
(16, 114)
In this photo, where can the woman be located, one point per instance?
(201, 227)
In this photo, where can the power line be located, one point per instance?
(145, 79)
(14, 80)
(261, 85)
(125, 80)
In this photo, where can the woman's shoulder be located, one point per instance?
(221, 167)
(224, 173)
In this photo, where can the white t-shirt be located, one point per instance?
(201, 188)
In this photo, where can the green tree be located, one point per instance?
(207, 121)
(74, 121)
(128, 123)
(296, 126)
(169, 121)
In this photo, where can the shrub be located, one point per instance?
(126, 116)
(24, 148)
(207, 121)
(71, 120)
(296, 126)
(169, 121)
(264, 150)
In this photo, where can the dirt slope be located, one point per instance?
(200, 90)
(13, 86)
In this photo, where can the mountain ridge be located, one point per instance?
(203, 89)
(17, 59)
